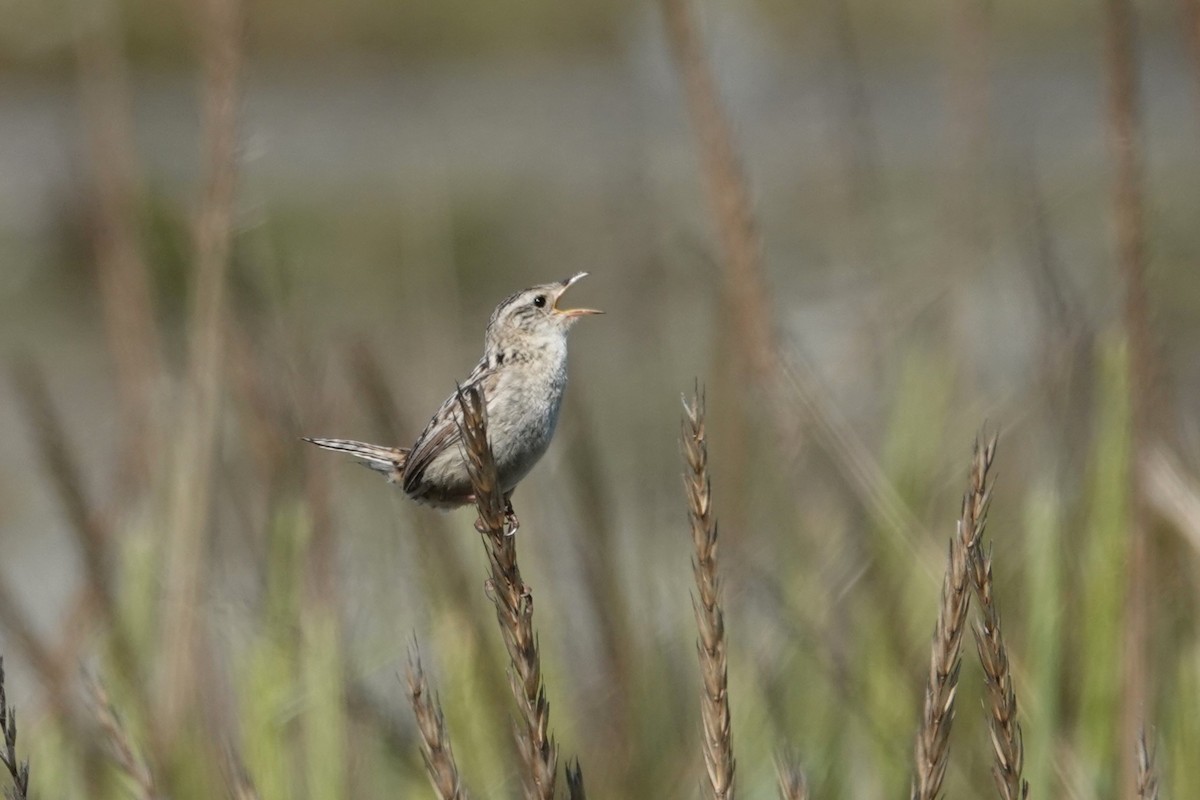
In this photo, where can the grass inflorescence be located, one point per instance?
(513, 600)
(436, 751)
(18, 770)
(706, 603)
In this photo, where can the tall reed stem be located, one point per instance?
(937, 717)
(18, 770)
(436, 751)
(514, 603)
(1125, 136)
(1001, 701)
(706, 603)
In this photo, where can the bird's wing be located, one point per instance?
(442, 432)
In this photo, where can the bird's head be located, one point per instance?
(533, 314)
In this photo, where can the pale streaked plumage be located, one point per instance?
(522, 376)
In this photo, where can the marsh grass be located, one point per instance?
(120, 748)
(513, 600)
(945, 661)
(436, 751)
(1001, 701)
(717, 740)
(1146, 776)
(793, 783)
(18, 769)
(241, 655)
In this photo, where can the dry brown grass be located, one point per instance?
(122, 278)
(1147, 774)
(1129, 224)
(937, 717)
(1001, 701)
(514, 604)
(728, 195)
(237, 778)
(793, 783)
(93, 539)
(436, 751)
(118, 745)
(219, 25)
(786, 382)
(18, 770)
(575, 790)
(710, 619)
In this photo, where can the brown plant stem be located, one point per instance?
(793, 783)
(18, 770)
(93, 538)
(131, 331)
(1147, 774)
(219, 23)
(436, 751)
(728, 195)
(1001, 700)
(787, 383)
(937, 717)
(1125, 132)
(513, 601)
(575, 789)
(120, 747)
(706, 603)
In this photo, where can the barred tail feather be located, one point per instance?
(388, 460)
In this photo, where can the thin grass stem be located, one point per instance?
(119, 746)
(436, 751)
(1147, 772)
(1129, 222)
(937, 716)
(793, 783)
(220, 29)
(18, 770)
(575, 789)
(706, 603)
(1001, 700)
(513, 601)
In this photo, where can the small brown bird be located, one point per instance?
(522, 376)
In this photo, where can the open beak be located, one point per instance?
(572, 312)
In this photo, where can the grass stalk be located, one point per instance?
(728, 193)
(788, 382)
(1147, 773)
(1001, 702)
(1125, 132)
(937, 716)
(120, 747)
(513, 601)
(131, 331)
(219, 23)
(706, 603)
(237, 778)
(575, 789)
(793, 783)
(18, 770)
(93, 538)
(436, 751)
(89, 527)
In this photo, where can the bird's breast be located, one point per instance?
(522, 415)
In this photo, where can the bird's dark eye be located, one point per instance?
(540, 300)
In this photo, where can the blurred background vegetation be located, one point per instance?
(935, 194)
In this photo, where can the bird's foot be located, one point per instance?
(511, 523)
